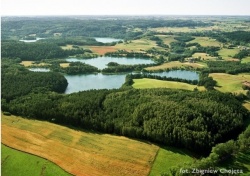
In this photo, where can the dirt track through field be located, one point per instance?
(79, 153)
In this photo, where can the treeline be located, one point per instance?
(221, 156)
(74, 68)
(35, 51)
(124, 53)
(116, 68)
(189, 119)
(230, 67)
(122, 27)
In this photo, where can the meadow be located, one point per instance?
(153, 83)
(227, 54)
(12, 159)
(206, 41)
(230, 83)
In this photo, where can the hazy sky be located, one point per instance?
(125, 7)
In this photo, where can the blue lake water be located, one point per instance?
(39, 69)
(83, 82)
(30, 41)
(182, 74)
(107, 40)
(101, 62)
(93, 81)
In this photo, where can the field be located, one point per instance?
(205, 41)
(31, 63)
(101, 50)
(67, 47)
(153, 83)
(77, 152)
(167, 39)
(136, 45)
(247, 105)
(64, 65)
(245, 60)
(11, 160)
(167, 158)
(204, 56)
(230, 83)
(227, 54)
(178, 64)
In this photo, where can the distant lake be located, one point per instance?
(29, 41)
(182, 74)
(101, 62)
(78, 83)
(39, 69)
(107, 40)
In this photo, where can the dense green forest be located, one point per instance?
(193, 120)
(35, 51)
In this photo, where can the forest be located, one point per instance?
(170, 117)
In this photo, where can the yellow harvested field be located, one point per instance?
(77, 152)
(67, 47)
(31, 63)
(102, 49)
(64, 65)
(175, 64)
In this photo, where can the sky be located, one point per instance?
(124, 7)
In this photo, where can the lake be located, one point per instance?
(78, 83)
(101, 62)
(182, 74)
(107, 40)
(39, 69)
(29, 41)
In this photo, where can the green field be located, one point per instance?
(245, 60)
(153, 83)
(205, 41)
(14, 162)
(227, 54)
(230, 83)
(137, 45)
(168, 158)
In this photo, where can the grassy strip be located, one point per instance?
(168, 158)
(177, 64)
(152, 83)
(15, 162)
